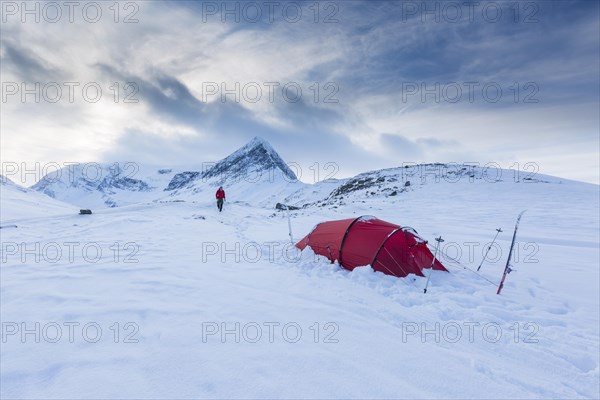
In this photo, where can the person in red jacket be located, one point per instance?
(220, 198)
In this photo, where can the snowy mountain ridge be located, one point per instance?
(256, 174)
(104, 185)
(118, 184)
(398, 181)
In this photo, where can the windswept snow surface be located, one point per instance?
(176, 300)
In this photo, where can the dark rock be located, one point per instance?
(280, 206)
(182, 179)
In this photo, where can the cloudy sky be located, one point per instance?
(365, 85)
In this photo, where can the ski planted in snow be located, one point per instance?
(507, 269)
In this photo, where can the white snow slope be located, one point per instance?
(19, 202)
(176, 300)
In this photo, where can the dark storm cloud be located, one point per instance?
(550, 43)
(169, 97)
(164, 95)
(305, 115)
(27, 65)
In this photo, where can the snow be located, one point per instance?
(188, 289)
(17, 202)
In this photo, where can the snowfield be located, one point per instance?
(171, 299)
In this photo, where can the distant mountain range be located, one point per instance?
(253, 174)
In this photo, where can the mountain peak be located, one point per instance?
(255, 156)
(258, 141)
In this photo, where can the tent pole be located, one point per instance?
(289, 224)
(438, 240)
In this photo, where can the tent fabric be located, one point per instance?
(326, 238)
(366, 240)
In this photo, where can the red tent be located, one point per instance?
(386, 247)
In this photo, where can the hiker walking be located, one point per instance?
(220, 195)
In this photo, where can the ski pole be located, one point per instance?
(489, 247)
(289, 224)
(438, 240)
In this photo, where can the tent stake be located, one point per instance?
(489, 248)
(438, 240)
(330, 255)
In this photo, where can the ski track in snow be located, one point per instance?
(177, 285)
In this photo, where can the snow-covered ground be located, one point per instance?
(175, 300)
